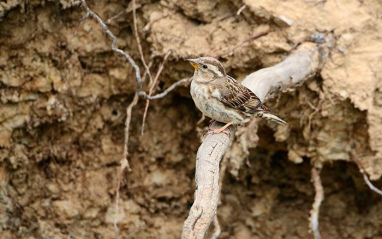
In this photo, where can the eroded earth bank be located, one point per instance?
(64, 94)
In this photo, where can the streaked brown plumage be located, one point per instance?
(222, 98)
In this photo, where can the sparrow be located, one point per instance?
(222, 98)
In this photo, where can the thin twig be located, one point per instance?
(241, 9)
(315, 108)
(124, 161)
(164, 93)
(139, 43)
(318, 198)
(365, 176)
(201, 119)
(252, 37)
(145, 72)
(148, 25)
(217, 228)
(119, 180)
(152, 88)
(315, 111)
(127, 127)
(159, 72)
(371, 186)
(90, 13)
(108, 21)
(125, 11)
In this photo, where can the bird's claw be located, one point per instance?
(211, 122)
(218, 131)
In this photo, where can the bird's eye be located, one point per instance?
(205, 66)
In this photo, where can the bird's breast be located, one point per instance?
(206, 100)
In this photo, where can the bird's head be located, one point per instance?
(207, 69)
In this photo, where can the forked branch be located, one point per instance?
(294, 70)
(124, 161)
(90, 13)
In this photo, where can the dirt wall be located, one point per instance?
(64, 93)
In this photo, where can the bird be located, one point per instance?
(222, 98)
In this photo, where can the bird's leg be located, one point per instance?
(222, 129)
(211, 122)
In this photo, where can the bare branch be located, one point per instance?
(149, 25)
(289, 73)
(318, 198)
(295, 69)
(152, 88)
(145, 72)
(217, 228)
(252, 37)
(108, 21)
(371, 186)
(241, 9)
(119, 180)
(201, 119)
(365, 176)
(127, 127)
(207, 181)
(164, 93)
(124, 161)
(90, 13)
(139, 43)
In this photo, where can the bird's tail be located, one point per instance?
(262, 111)
(270, 116)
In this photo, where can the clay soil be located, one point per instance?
(64, 94)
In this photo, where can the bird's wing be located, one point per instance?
(233, 94)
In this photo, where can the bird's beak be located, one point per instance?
(194, 63)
